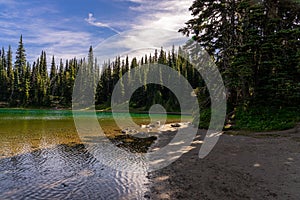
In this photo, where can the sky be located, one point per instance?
(66, 28)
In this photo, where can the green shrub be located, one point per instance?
(205, 115)
(266, 119)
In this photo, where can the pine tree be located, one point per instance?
(61, 80)
(27, 85)
(44, 80)
(53, 87)
(3, 76)
(91, 72)
(116, 71)
(53, 69)
(162, 59)
(10, 74)
(255, 46)
(34, 88)
(19, 74)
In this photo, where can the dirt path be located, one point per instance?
(266, 166)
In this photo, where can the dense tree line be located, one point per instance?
(256, 46)
(147, 95)
(34, 85)
(23, 84)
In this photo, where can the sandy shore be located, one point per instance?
(260, 166)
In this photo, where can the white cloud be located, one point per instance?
(156, 25)
(56, 37)
(92, 21)
(63, 44)
(137, 43)
(169, 14)
(8, 2)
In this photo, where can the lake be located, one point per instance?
(42, 157)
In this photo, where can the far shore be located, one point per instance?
(97, 110)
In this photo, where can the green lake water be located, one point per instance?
(42, 157)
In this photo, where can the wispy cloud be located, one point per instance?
(48, 25)
(8, 3)
(52, 33)
(156, 25)
(92, 21)
(169, 14)
(137, 43)
(65, 44)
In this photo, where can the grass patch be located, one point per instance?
(266, 119)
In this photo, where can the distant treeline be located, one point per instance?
(23, 84)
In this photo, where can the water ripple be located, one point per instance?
(65, 172)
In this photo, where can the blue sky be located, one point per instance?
(66, 28)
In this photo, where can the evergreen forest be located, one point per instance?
(255, 45)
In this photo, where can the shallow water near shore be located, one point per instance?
(42, 157)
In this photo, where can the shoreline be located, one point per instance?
(97, 110)
(255, 166)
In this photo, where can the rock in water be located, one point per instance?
(175, 125)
